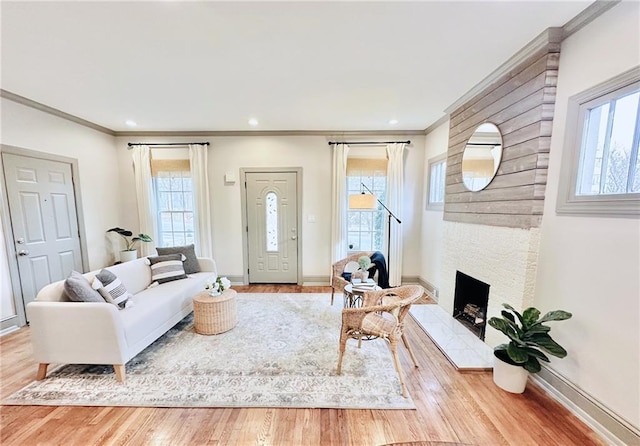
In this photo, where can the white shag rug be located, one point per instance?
(283, 353)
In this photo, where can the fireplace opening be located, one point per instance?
(470, 303)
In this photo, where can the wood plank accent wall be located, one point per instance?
(521, 103)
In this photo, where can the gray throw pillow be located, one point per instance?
(191, 264)
(78, 289)
(167, 268)
(112, 289)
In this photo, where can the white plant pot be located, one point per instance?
(126, 256)
(511, 378)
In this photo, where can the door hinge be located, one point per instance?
(247, 228)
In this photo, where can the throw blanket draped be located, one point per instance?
(380, 265)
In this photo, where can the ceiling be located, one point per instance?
(293, 66)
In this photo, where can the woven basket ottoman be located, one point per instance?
(214, 314)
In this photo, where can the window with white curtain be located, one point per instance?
(437, 168)
(174, 202)
(366, 227)
(601, 166)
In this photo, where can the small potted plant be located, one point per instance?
(365, 263)
(130, 252)
(217, 286)
(528, 340)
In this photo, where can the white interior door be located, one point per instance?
(272, 232)
(43, 216)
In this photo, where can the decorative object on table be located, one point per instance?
(528, 337)
(130, 252)
(364, 201)
(347, 265)
(364, 263)
(217, 286)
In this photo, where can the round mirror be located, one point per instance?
(481, 157)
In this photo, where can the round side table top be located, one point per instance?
(204, 296)
(349, 289)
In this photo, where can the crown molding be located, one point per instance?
(548, 36)
(436, 124)
(53, 111)
(554, 35)
(220, 133)
(588, 15)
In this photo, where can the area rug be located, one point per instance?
(282, 353)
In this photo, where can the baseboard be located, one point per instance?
(592, 412)
(316, 281)
(9, 325)
(431, 289)
(236, 280)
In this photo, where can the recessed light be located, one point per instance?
(393, 121)
(131, 123)
(253, 122)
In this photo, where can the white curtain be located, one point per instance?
(339, 203)
(144, 193)
(395, 194)
(201, 206)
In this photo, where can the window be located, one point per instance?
(271, 220)
(366, 228)
(174, 202)
(601, 167)
(436, 182)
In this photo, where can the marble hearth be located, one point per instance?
(461, 347)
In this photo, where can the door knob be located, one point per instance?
(293, 237)
(23, 252)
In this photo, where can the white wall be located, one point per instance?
(31, 129)
(313, 154)
(591, 266)
(436, 143)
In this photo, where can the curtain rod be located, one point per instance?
(131, 144)
(331, 143)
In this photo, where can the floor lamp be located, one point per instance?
(368, 201)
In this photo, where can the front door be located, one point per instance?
(272, 232)
(42, 210)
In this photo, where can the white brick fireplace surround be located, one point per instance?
(505, 258)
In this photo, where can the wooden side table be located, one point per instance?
(214, 314)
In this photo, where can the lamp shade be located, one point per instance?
(362, 201)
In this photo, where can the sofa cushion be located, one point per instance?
(191, 264)
(78, 289)
(154, 306)
(135, 275)
(111, 288)
(167, 268)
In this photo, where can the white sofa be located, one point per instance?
(65, 332)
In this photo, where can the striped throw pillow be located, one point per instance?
(167, 268)
(112, 289)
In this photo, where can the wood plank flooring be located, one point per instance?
(464, 408)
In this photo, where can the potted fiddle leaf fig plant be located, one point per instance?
(529, 340)
(130, 252)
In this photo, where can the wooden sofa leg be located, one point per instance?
(42, 371)
(120, 372)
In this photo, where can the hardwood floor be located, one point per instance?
(464, 408)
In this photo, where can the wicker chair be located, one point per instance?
(382, 315)
(337, 281)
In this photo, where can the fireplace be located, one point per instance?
(470, 303)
